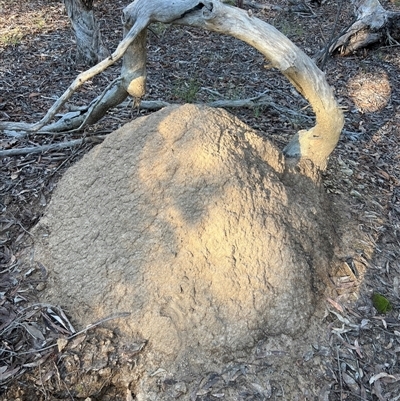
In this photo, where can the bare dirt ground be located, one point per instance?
(357, 353)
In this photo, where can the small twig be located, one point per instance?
(390, 46)
(70, 157)
(332, 39)
(93, 325)
(23, 228)
(92, 106)
(46, 148)
(340, 374)
(66, 387)
(41, 383)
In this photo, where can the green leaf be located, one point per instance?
(381, 303)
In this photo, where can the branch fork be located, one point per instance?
(315, 144)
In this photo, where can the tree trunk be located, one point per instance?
(90, 49)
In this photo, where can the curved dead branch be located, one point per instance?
(315, 144)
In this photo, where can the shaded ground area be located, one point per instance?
(357, 353)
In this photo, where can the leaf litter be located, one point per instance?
(359, 345)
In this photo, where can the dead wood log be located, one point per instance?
(315, 144)
(372, 24)
(78, 118)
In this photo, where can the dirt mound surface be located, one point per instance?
(190, 221)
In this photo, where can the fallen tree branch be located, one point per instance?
(261, 100)
(79, 118)
(80, 80)
(315, 144)
(47, 148)
(139, 19)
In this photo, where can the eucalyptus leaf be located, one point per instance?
(381, 303)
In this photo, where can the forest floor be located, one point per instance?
(358, 354)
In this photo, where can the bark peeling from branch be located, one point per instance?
(314, 144)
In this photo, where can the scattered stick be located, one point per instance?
(46, 148)
(79, 118)
(315, 144)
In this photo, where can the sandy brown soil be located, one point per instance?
(357, 353)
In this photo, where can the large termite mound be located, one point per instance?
(191, 221)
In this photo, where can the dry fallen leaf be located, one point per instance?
(33, 330)
(351, 383)
(335, 305)
(386, 376)
(61, 343)
(7, 373)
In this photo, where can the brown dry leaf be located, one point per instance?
(363, 393)
(7, 316)
(66, 320)
(47, 376)
(33, 330)
(61, 343)
(49, 319)
(324, 393)
(377, 390)
(77, 340)
(14, 175)
(62, 319)
(357, 348)
(383, 174)
(336, 305)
